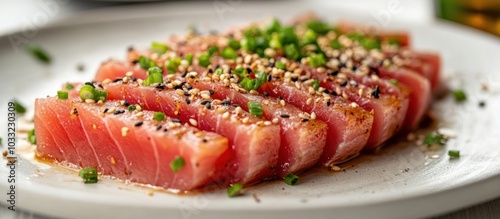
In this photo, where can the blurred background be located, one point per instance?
(480, 14)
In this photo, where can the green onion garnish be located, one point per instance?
(280, 65)
(32, 137)
(100, 95)
(234, 190)
(189, 58)
(62, 95)
(291, 179)
(275, 26)
(369, 43)
(146, 63)
(155, 76)
(394, 82)
(249, 44)
(241, 72)
(204, 59)
(319, 27)
(87, 92)
(159, 116)
(261, 78)
(159, 47)
(317, 60)
(19, 107)
(177, 164)
(233, 44)
(335, 44)
(218, 71)
(394, 42)
(292, 52)
(132, 108)
(434, 138)
(275, 42)
(459, 95)
(39, 53)
(454, 153)
(310, 37)
(255, 108)
(212, 50)
(315, 84)
(89, 175)
(247, 83)
(288, 36)
(229, 53)
(69, 86)
(173, 64)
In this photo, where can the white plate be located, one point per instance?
(400, 181)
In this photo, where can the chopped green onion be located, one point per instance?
(177, 164)
(219, 71)
(62, 95)
(229, 53)
(39, 53)
(317, 60)
(288, 36)
(275, 42)
(233, 44)
(189, 58)
(19, 107)
(358, 37)
(310, 37)
(212, 50)
(261, 78)
(132, 107)
(204, 59)
(89, 175)
(291, 179)
(87, 92)
(247, 83)
(32, 137)
(155, 76)
(434, 138)
(319, 27)
(255, 108)
(249, 44)
(100, 95)
(292, 52)
(146, 63)
(335, 44)
(280, 65)
(275, 26)
(370, 44)
(315, 84)
(69, 86)
(252, 32)
(394, 82)
(394, 42)
(159, 116)
(159, 47)
(173, 64)
(234, 190)
(454, 153)
(459, 95)
(241, 72)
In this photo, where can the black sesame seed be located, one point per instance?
(117, 80)
(137, 124)
(189, 87)
(90, 84)
(106, 110)
(226, 102)
(266, 94)
(118, 112)
(294, 79)
(135, 61)
(217, 66)
(161, 87)
(328, 103)
(482, 103)
(183, 83)
(285, 116)
(332, 72)
(374, 70)
(326, 91)
(249, 70)
(176, 120)
(184, 74)
(205, 102)
(280, 98)
(303, 79)
(343, 83)
(235, 105)
(158, 127)
(211, 92)
(333, 93)
(210, 71)
(133, 78)
(100, 86)
(187, 94)
(229, 70)
(204, 140)
(305, 120)
(209, 105)
(165, 130)
(126, 103)
(269, 77)
(376, 93)
(188, 101)
(177, 87)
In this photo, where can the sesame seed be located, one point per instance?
(106, 81)
(336, 168)
(112, 110)
(254, 92)
(137, 124)
(193, 122)
(376, 93)
(158, 127)
(309, 101)
(220, 110)
(176, 120)
(124, 131)
(354, 105)
(345, 96)
(275, 121)
(282, 102)
(179, 92)
(267, 123)
(239, 110)
(245, 120)
(205, 102)
(313, 115)
(113, 161)
(305, 120)
(205, 96)
(94, 126)
(139, 114)
(89, 101)
(225, 115)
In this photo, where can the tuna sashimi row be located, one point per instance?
(253, 103)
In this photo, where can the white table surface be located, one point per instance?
(16, 14)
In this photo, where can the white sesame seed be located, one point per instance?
(179, 92)
(205, 96)
(125, 80)
(220, 110)
(336, 168)
(309, 101)
(282, 102)
(139, 114)
(225, 115)
(354, 105)
(89, 101)
(239, 110)
(267, 123)
(275, 121)
(193, 122)
(124, 131)
(345, 96)
(245, 120)
(313, 115)
(254, 92)
(129, 74)
(106, 81)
